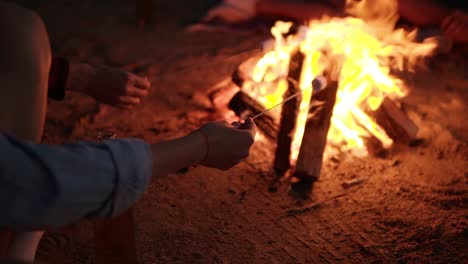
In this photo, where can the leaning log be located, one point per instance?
(309, 161)
(221, 94)
(395, 122)
(245, 106)
(289, 113)
(243, 72)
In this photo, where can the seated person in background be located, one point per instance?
(450, 15)
(48, 186)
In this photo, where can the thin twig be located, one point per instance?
(306, 208)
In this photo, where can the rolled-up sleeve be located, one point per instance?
(49, 186)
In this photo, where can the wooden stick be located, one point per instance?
(306, 208)
(353, 182)
(309, 162)
(289, 114)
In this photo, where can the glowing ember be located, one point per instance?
(364, 82)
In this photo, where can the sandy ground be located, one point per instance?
(412, 208)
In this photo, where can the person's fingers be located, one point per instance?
(455, 27)
(133, 91)
(249, 125)
(450, 28)
(458, 28)
(461, 15)
(129, 100)
(464, 21)
(457, 31)
(124, 106)
(236, 124)
(139, 82)
(223, 123)
(446, 22)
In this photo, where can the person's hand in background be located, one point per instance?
(232, 11)
(108, 85)
(455, 26)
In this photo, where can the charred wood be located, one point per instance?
(243, 71)
(289, 113)
(309, 162)
(395, 122)
(245, 106)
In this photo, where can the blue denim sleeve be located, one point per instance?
(48, 186)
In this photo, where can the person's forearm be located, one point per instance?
(58, 185)
(299, 11)
(171, 156)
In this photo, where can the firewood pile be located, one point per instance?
(399, 127)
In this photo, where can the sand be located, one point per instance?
(412, 208)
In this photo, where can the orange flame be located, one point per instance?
(364, 81)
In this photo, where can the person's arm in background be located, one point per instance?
(45, 186)
(234, 11)
(423, 12)
(451, 16)
(299, 11)
(107, 85)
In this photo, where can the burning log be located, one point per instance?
(245, 106)
(221, 93)
(243, 71)
(242, 104)
(289, 114)
(374, 146)
(309, 161)
(395, 122)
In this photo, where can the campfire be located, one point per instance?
(338, 94)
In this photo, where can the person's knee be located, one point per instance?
(12, 14)
(36, 27)
(26, 31)
(25, 59)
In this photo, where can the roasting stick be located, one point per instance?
(318, 83)
(280, 103)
